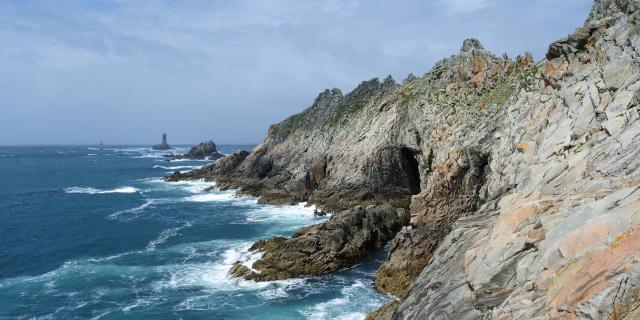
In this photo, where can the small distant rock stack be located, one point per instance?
(204, 150)
(162, 146)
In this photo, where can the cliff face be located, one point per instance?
(521, 178)
(557, 234)
(370, 146)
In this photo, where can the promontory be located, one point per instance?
(507, 188)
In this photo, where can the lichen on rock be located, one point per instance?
(517, 182)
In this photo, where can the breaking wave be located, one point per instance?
(137, 209)
(353, 304)
(177, 167)
(89, 190)
(165, 235)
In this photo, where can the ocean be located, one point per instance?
(96, 234)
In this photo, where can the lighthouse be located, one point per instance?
(162, 146)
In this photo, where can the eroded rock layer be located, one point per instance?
(521, 180)
(557, 235)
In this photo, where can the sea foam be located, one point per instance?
(165, 235)
(208, 197)
(89, 190)
(193, 186)
(177, 167)
(356, 296)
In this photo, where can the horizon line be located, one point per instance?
(116, 144)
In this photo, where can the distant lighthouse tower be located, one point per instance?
(164, 145)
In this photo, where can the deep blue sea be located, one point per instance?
(96, 234)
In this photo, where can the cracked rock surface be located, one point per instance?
(517, 183)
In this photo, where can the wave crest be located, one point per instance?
(177, 167)
(89, 190)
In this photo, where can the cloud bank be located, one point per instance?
(78, 72)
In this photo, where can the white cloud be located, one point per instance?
(226, 70)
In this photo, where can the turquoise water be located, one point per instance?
(91, 234)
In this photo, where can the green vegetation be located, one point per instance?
(498, 95)
(408, 96)
(283, 129)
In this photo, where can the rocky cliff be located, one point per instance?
(520, 179)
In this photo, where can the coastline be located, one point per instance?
(146, 248)
(488, 162)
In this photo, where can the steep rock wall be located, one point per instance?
(556, 236)
(521, 179)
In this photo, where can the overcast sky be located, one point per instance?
(77, 72)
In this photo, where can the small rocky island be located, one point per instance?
(162, 146)
(204, 150)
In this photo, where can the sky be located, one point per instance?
(125, 71)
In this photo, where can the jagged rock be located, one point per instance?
(366, 147)
(398, 272)
(521, 179)
(204, 150)
(409, 78)
(469, 45)
(557, 235)
(332, 245)
(524, 61)
(573, 43)
(384, 312)
(225, 164)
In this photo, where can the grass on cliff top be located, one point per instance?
(493, 101)
(501, 93)
(351, 109)
(282, 130)
(498, 95)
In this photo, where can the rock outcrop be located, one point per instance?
(521, 179)
(555, 233)
(204, 150)
(163, 145)
(330, 246)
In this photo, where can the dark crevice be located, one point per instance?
(411, 169)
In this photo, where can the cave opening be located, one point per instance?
(411, 169)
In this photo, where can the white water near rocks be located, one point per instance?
(165, 252)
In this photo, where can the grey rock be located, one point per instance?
(332, 245)
(204, 150)
(520, 181)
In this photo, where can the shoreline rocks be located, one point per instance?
(337, 243)
(520, 181)
(208, 172)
